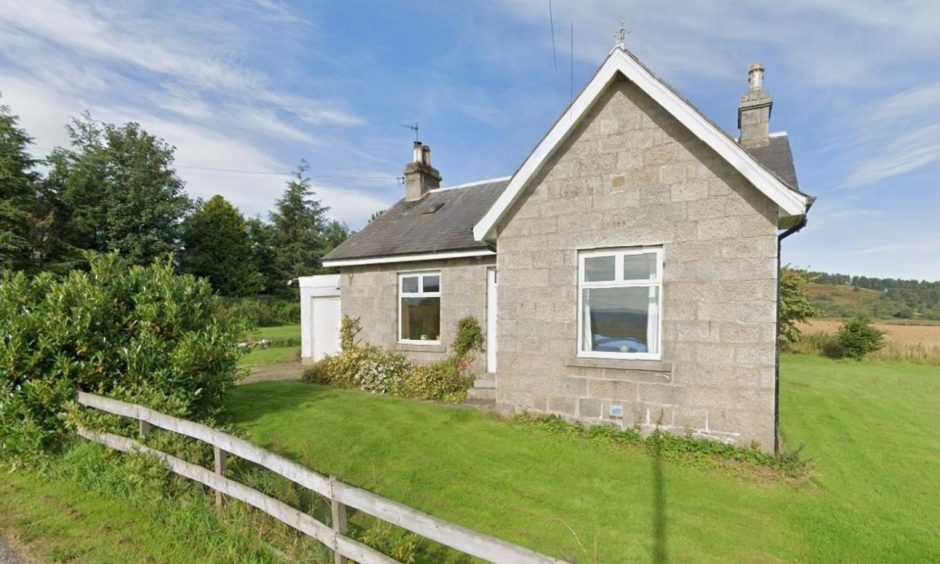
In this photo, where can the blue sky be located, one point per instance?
(257, 85)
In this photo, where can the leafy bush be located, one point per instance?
(142, 334)
(381, 372)
(373, 369)
(264, 312)
(794, 303)
(439, 380)
(469, 337)
(859, 337)
(832, 347)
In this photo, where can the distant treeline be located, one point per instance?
(903, 299)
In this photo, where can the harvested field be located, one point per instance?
(907, 334)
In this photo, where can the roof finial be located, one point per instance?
(621, 36)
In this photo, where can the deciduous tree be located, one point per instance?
(118, 191)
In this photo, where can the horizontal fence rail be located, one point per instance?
(341, 495)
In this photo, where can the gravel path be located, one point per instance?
(7, 556)
(273, 372)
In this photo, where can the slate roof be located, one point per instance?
(407, 229)
(777, 158)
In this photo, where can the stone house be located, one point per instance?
(625, 274)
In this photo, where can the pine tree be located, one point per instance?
(216, 246)
(261, 237)
(18, 195)
(299, 222)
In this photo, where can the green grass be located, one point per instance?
(279, 333)
(870, 429)
(88, 508)
(286, 341)
(273, 355)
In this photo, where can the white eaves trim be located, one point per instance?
(471, 184)
(790, 203)
(407, 258)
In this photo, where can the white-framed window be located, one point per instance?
(620, 293)
(419, 308)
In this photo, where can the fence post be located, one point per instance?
(143, 427)
(338, 511)
(220, 470)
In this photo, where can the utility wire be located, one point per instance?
(571, 87)
(207, 169)
(551, 22)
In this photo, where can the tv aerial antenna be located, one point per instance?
(412, 126)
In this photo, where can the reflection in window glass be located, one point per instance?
(409, 284)
(421, 319)
(639, 267)
(432, 283)
(599, 269)
(617, 320)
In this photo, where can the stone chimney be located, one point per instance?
(754, 110)
(420, 176)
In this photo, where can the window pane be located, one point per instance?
(639, 267)
(432, 283)
(617, 319)
(421, 319)
(599, 269)
(409, 284)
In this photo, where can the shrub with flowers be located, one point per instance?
(376, 370)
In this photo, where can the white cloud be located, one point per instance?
(178, 75)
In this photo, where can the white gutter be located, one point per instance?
(407, 258)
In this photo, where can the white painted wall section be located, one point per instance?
(320, 316)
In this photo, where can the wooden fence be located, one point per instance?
(341, 495)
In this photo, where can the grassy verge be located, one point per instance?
(88, 508)
(285, 346)
(869, 428)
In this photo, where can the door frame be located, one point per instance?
(492, 307)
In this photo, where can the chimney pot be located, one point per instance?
(755, 76)
(420, 176)
(754, 110)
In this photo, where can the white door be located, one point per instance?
(491, 282)
(326, 323)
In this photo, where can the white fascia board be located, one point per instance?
(471, 184)
(789, 202)
(407, 258)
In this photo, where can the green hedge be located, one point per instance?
(264, 312)
(142, 334)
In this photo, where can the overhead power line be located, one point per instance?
(212, 170)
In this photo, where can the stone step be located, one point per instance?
(485, 383)
(484, 394)
(480, 405)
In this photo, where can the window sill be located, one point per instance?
(434, 347)
(620, 364)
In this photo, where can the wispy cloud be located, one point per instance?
(182, 76)
(907, 247)
(904, 154)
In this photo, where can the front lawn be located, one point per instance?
(285, 346)
(870, 429)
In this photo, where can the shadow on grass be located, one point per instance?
(248, 402)
(660, 553)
